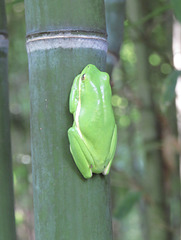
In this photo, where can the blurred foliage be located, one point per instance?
(127, 190)
(127, 173)
(127, 203)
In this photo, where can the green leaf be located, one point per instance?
(176, 5)
(168, 94)
(127, 203)
(156, 12)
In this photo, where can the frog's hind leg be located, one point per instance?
(111, 151)
(80, 153)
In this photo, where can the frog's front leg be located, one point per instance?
(111, 151)
(80, 153)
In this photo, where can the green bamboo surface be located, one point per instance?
(66, 206)
(7, 222)
(78, 15)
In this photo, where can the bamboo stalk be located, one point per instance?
(7, 221)
(115, 14)
(62, 38)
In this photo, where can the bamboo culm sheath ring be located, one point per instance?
(65, 40)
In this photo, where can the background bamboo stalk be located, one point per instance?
(155, 215)
(62, 38)
(176, 211)
(115, 14)
(7, 221)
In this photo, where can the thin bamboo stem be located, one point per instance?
(7, 220)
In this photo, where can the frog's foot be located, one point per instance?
(111, 151)
(80, 153)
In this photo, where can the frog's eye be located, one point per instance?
(83, 77)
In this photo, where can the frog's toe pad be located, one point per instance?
(87, 175)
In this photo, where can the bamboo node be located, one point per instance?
(65, 40)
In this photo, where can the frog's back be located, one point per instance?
(97, 119)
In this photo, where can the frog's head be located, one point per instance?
(89, 73)
(92, 74)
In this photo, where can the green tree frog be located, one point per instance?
(93, 136)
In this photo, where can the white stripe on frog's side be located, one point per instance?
(78, 109)
(105, 172)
